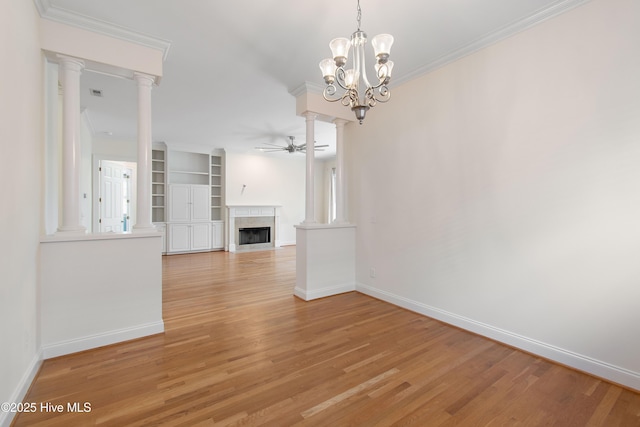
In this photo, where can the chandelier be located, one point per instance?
(359, 93)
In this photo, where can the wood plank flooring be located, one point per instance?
(240, 350)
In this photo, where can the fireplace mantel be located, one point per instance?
(258, 213)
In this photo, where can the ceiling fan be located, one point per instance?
(290, 147)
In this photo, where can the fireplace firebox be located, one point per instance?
(254, 235)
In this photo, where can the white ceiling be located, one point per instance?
(231, 64)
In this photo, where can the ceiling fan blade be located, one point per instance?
(321, 146)
(274, 145)
(269, 150)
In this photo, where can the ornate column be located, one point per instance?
(340, 190)
(143, 208)
(310, 215)
(70, 70)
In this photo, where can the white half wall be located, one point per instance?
(501, 192)
(99, 289)
(325, 260)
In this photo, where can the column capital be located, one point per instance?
(340, 122)
(310, 115)
(70, 63)
(144, 79)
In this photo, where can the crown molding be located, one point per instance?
(558, 8)
(307, 87)
(64, 16)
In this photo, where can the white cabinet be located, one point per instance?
(192, 204)
(188, 203)
(186, 237)
(189, 224)
(200, 236)
(217, 235)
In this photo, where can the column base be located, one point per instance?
(144, 228)
(72, 229)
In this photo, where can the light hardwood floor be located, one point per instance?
(239, 349)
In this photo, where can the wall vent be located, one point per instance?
(95, 92)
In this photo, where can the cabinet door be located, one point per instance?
(179, 237)
(200, 236)
(217, 241)
(200, 210)
(179, 202)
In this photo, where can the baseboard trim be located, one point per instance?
(23, 387)
(323, 292)
(99, 340)
(568, 358)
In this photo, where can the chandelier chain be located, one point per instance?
(359, 15)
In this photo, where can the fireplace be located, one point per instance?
(254, 235)
(253, 228)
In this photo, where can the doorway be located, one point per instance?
(115, 201)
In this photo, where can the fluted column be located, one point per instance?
(310, 215)
(340, 190)
(143, 208)
(69, 71)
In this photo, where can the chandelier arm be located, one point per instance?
(330, 94)
(384, 93)
(340, 75)
(383, 78)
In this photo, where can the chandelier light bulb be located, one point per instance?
(328, 67)
(340, 49)
(382, 46)
(351, 78)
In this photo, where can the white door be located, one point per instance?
(200, 236)
(113, 209)
(179, 237)
(179, 202)
(217, 241)
(200, 210)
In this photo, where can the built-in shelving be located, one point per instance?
(188, 199)
(158, 185)
(188, 168)
(216, 188)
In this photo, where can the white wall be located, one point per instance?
(501, 192)
(98, 290)
(270, 180)
(115, 148)
(21, 147)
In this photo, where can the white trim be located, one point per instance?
(307, 87)
(493, 37)
(565, 357)
(100, 340)
(21, 390)
(324, 292)
(68, 17)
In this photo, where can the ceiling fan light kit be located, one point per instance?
(359, 93)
